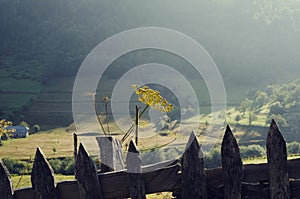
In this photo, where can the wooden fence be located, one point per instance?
(186, 177)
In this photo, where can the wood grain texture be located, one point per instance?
(114, 184)
(6, 188)
(232, 166)
(111, 154)
(42, 178)
(253, 173)
(192, 171)
(86, 175)
(68, 189)
(134, 172)
(277, 164)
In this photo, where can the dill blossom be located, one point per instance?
(152, 98)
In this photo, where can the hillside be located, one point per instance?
(45, 43)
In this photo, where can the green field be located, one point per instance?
(24, 181)
(24, 148)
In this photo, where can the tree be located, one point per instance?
(261, 98)
(252, 151)
(4, 133)
(248, 108)
(293, 148)
(237, 118)
(280, 120)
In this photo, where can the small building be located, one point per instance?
(20, 131)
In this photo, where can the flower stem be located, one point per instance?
(128, 133)
(98, 115)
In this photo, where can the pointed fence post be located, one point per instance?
(42, 178)
(111, 154)
(6, 188)
(137, 116)
(232, 166)
(75, 140)
(192, 169)
(277, 164)
(86, 175)
(134, 172)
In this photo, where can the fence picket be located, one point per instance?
(6, 188)
(192, 168)
(111, 154)
(232, 166)
(86, 175)
(134, 171)
(269, 180)
(277, 164)
(42, 178)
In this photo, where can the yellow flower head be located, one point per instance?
(152, 98)
(3, 125)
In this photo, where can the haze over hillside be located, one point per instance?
(253, 43)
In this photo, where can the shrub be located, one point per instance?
(23, 123)
(68, 166)
(293, 148)
(35, 128)
(252, 151)
(15, 166)
(65, 166)
(56, 165)
(213, 158)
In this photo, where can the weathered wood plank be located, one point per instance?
(277, 164)
(86, 175)
(258, 191)
(232, 166)
(24, 193)
(134, 171)
(68, 189)
(165, 179)
(253, 173)
(111, 154)
(255, 191)
(6, 188)
(295, 189)
(159, 165)
(42, 178)
(192, 169)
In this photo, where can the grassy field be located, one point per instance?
(54, 143)
(260, 160)
(59, 142)
(24, 181)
